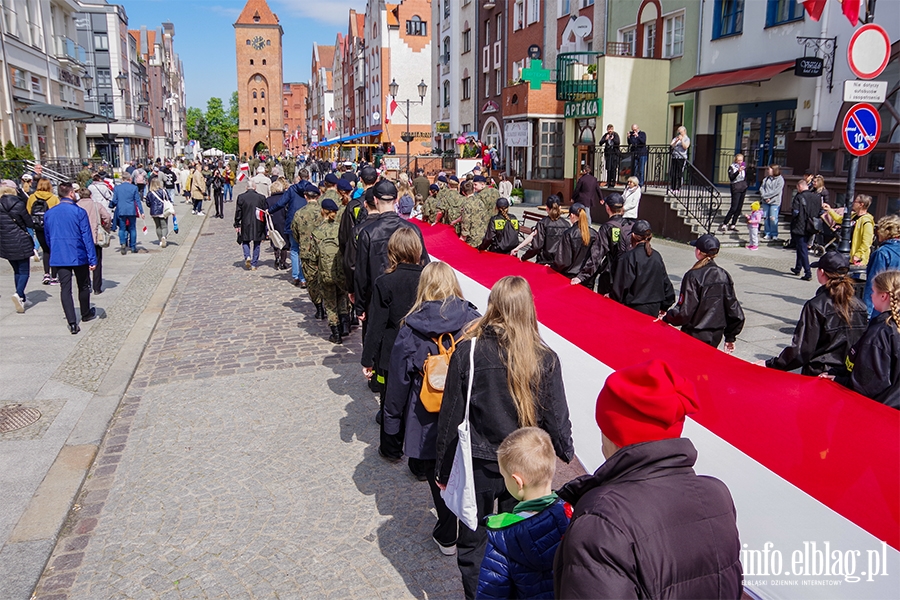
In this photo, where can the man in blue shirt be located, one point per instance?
(68, 230)
(126, 206)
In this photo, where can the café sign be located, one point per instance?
(583, 108)
(809, 66)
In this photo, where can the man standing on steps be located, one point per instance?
(68, 230)
(637, 145)
(126, 207)
(610, 143)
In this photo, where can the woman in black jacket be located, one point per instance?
(276, 190)
(517, 382)
(830, 323)
(641, 281)
(707, 307)
(874, 361)
(439, 310)
(393, 295)
(578, 254)
(16, 244)
(547, 233)
(217, 189)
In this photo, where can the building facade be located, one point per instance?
(321, 95)
(42, 87)
(258, 36)
(295, 99)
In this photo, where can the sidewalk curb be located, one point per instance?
(34, 537)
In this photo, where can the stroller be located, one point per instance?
(829, 234)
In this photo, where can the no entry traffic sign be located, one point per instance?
(868, 51)
(861, 130)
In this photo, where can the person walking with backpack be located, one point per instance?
(393, 296)
(16, 244)
(139, 177)
(439, 315)
(517, 382)
(126, 205)
(41, 201)
(805, 210)
(156, 202)
(326, 267)
(68, 231)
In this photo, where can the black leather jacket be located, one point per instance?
(547, 235)
(573, 258)
(492, 413)
(875, 363)
(707, 303)
(372, 256)
(822, 338)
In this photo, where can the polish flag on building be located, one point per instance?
(850, 8)
(391, 105)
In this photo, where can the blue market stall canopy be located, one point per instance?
(348, 138)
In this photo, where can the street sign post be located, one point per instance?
(861, 129)
(868, 51)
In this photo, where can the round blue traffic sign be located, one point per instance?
(861, 130)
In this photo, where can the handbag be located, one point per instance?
(103, 237)
(459, 495)
(168, 208)
(274, 235)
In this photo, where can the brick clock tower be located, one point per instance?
(259, 76)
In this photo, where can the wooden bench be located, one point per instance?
(528, 217)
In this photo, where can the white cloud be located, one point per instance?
(224, 10)
(333, 12)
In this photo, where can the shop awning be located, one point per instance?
(735, 77)
(348, 138)
(60, 113)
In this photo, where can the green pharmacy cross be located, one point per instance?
(536, 74)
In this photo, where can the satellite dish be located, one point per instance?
(583, 27)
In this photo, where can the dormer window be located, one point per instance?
(256, 17)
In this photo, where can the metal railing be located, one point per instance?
(618, 49)
(576, 76)
(698, 196)
(68, 49)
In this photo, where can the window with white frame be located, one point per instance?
(18, 78)
(564, 7)
(673, 36)
(499, 81)
(518, 15)
(650, 40)
(586, 3)
(467, 40)
(626, 36)
(487, 32)
(534, 11)
(487, 85)
(500, 24)
(101, 41)
(36, 86)
(551, 149)
(446, 93)
(518, 67)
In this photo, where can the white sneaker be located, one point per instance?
(19, 303)
(200, 213)
(445, 550)
(162, 243)
(193, 212)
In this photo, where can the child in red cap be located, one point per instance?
(644, 524)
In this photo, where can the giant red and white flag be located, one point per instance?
(814, 468)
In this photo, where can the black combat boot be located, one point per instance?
(322, 308)
(320, 311)
(335, 335)
(345, 325)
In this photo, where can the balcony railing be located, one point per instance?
(66, 49)
(618, 49)
(576, 76)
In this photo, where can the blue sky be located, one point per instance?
(204, 37)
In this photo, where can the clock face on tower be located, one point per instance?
(258, 42)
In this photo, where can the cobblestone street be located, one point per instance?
(243, 460)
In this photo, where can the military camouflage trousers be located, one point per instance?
(335, 301)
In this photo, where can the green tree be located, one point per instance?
(216, 122)
(195, 123)
(230, 139)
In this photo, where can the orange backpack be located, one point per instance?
(434, 374)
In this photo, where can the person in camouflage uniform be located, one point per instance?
(430, 207)
(305, 220)
(488, 195)
(451, 204)
(344, 190)
(326, 267)
(473, 225)
(328, 188)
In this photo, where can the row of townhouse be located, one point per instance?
(77, 82)
(351, 107)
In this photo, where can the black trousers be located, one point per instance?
(97, 274)
(677, 174)
(612, 169)
(802, 248)
(713, 337)
(83, 280)
(446, 529)
(45, 252)
(470, 545)
(737, 203)
(220, 203)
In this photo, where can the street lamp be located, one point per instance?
(88, 85)
(407, 136)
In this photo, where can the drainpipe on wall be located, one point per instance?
(817, 99)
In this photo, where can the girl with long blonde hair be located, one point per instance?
(517, 382)
(439, 314)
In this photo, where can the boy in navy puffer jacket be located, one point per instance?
(518, 561)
